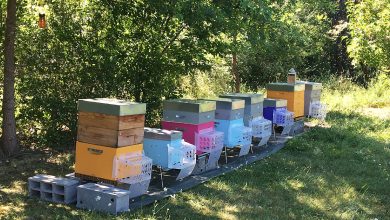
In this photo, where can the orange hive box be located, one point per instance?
(106, 162)
(293, 93)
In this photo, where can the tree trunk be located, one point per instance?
(342, 62)
(9, 140)
(236, 75)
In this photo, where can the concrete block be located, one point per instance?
(102, 198)
(54, 189)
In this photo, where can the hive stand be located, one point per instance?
(53, 189)
(103, 198)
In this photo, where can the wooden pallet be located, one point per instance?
(95, 179)
(299, 118)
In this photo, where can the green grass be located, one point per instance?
(340, 171)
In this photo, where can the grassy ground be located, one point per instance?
(336, 172)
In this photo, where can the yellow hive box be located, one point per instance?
(293, 93)
(108, 163)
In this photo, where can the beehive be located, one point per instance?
(271, 105)
(312, 94)
(293, 93)
(167, 149)
(229, 119)
(194, 118)
(253, 105)
(109, 139)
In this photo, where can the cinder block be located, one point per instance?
(47, 196)
(102, 198)
(65, 190)
(54, 189)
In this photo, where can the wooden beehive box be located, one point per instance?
(110, 122)
(293, 93)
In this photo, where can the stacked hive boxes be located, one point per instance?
(109, 141)
(168, 150)
(253, 115)
(271, 105)
(229, 119)
(195, 118)
(293, 93)
(276, 111)
(312, 94)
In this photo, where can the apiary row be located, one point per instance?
(114, 147)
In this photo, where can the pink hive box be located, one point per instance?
(189, 130)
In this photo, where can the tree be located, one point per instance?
(369, 44)
(9, 141)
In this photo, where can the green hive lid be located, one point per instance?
(111, 106)
(189, 105)
(225, 103)
(162, 134)
(274, 102)
(289, 87)
(250, 98)
(312, 85)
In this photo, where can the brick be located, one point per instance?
(102, 198)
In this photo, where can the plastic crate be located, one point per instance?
(283, 117)
(318, 110)
(208, 141)
(139, 184)
(261, 127)
(146, 171)
(246, 136)
(182, 157)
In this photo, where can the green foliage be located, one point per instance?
(295, 36)
(369, 26)
(149, 50)
(99, 49)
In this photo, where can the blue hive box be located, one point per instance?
(229, 120)
(270, 105)
(167, 149)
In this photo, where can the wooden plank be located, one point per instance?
(109, 137)
(98, 120)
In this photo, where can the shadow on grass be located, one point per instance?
(338, 172)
